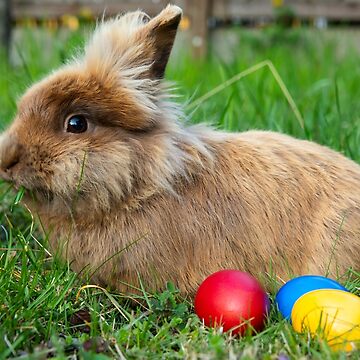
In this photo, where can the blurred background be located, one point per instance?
(314, 46)
(201, 16)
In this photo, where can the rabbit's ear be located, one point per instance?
(134, 41)
(159, 35)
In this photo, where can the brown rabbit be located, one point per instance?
(123, 187)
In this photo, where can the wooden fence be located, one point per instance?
(197, 12)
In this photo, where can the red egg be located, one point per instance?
(232, 299)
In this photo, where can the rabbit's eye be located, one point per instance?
(76, 124)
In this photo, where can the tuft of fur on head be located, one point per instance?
(135, 146)
(133, 50)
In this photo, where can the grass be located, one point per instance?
(45, 311)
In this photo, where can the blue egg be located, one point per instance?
(293, 289)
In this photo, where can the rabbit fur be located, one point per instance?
(140, 197)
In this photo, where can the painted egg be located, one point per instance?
(234, 300)
(331, 314)
(293, 289)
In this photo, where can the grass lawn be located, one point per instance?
(45, 312)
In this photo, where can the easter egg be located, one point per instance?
(293, 289)
(232, 299)
(332, 314)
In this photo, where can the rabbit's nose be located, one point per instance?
(10, 152)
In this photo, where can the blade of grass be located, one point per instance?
(241, 75)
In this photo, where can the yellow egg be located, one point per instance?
(332, 314)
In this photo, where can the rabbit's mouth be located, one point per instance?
(5, 176)
(36, 193)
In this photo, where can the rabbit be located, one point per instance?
(129, 193)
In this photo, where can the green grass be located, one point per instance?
(41, 300)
